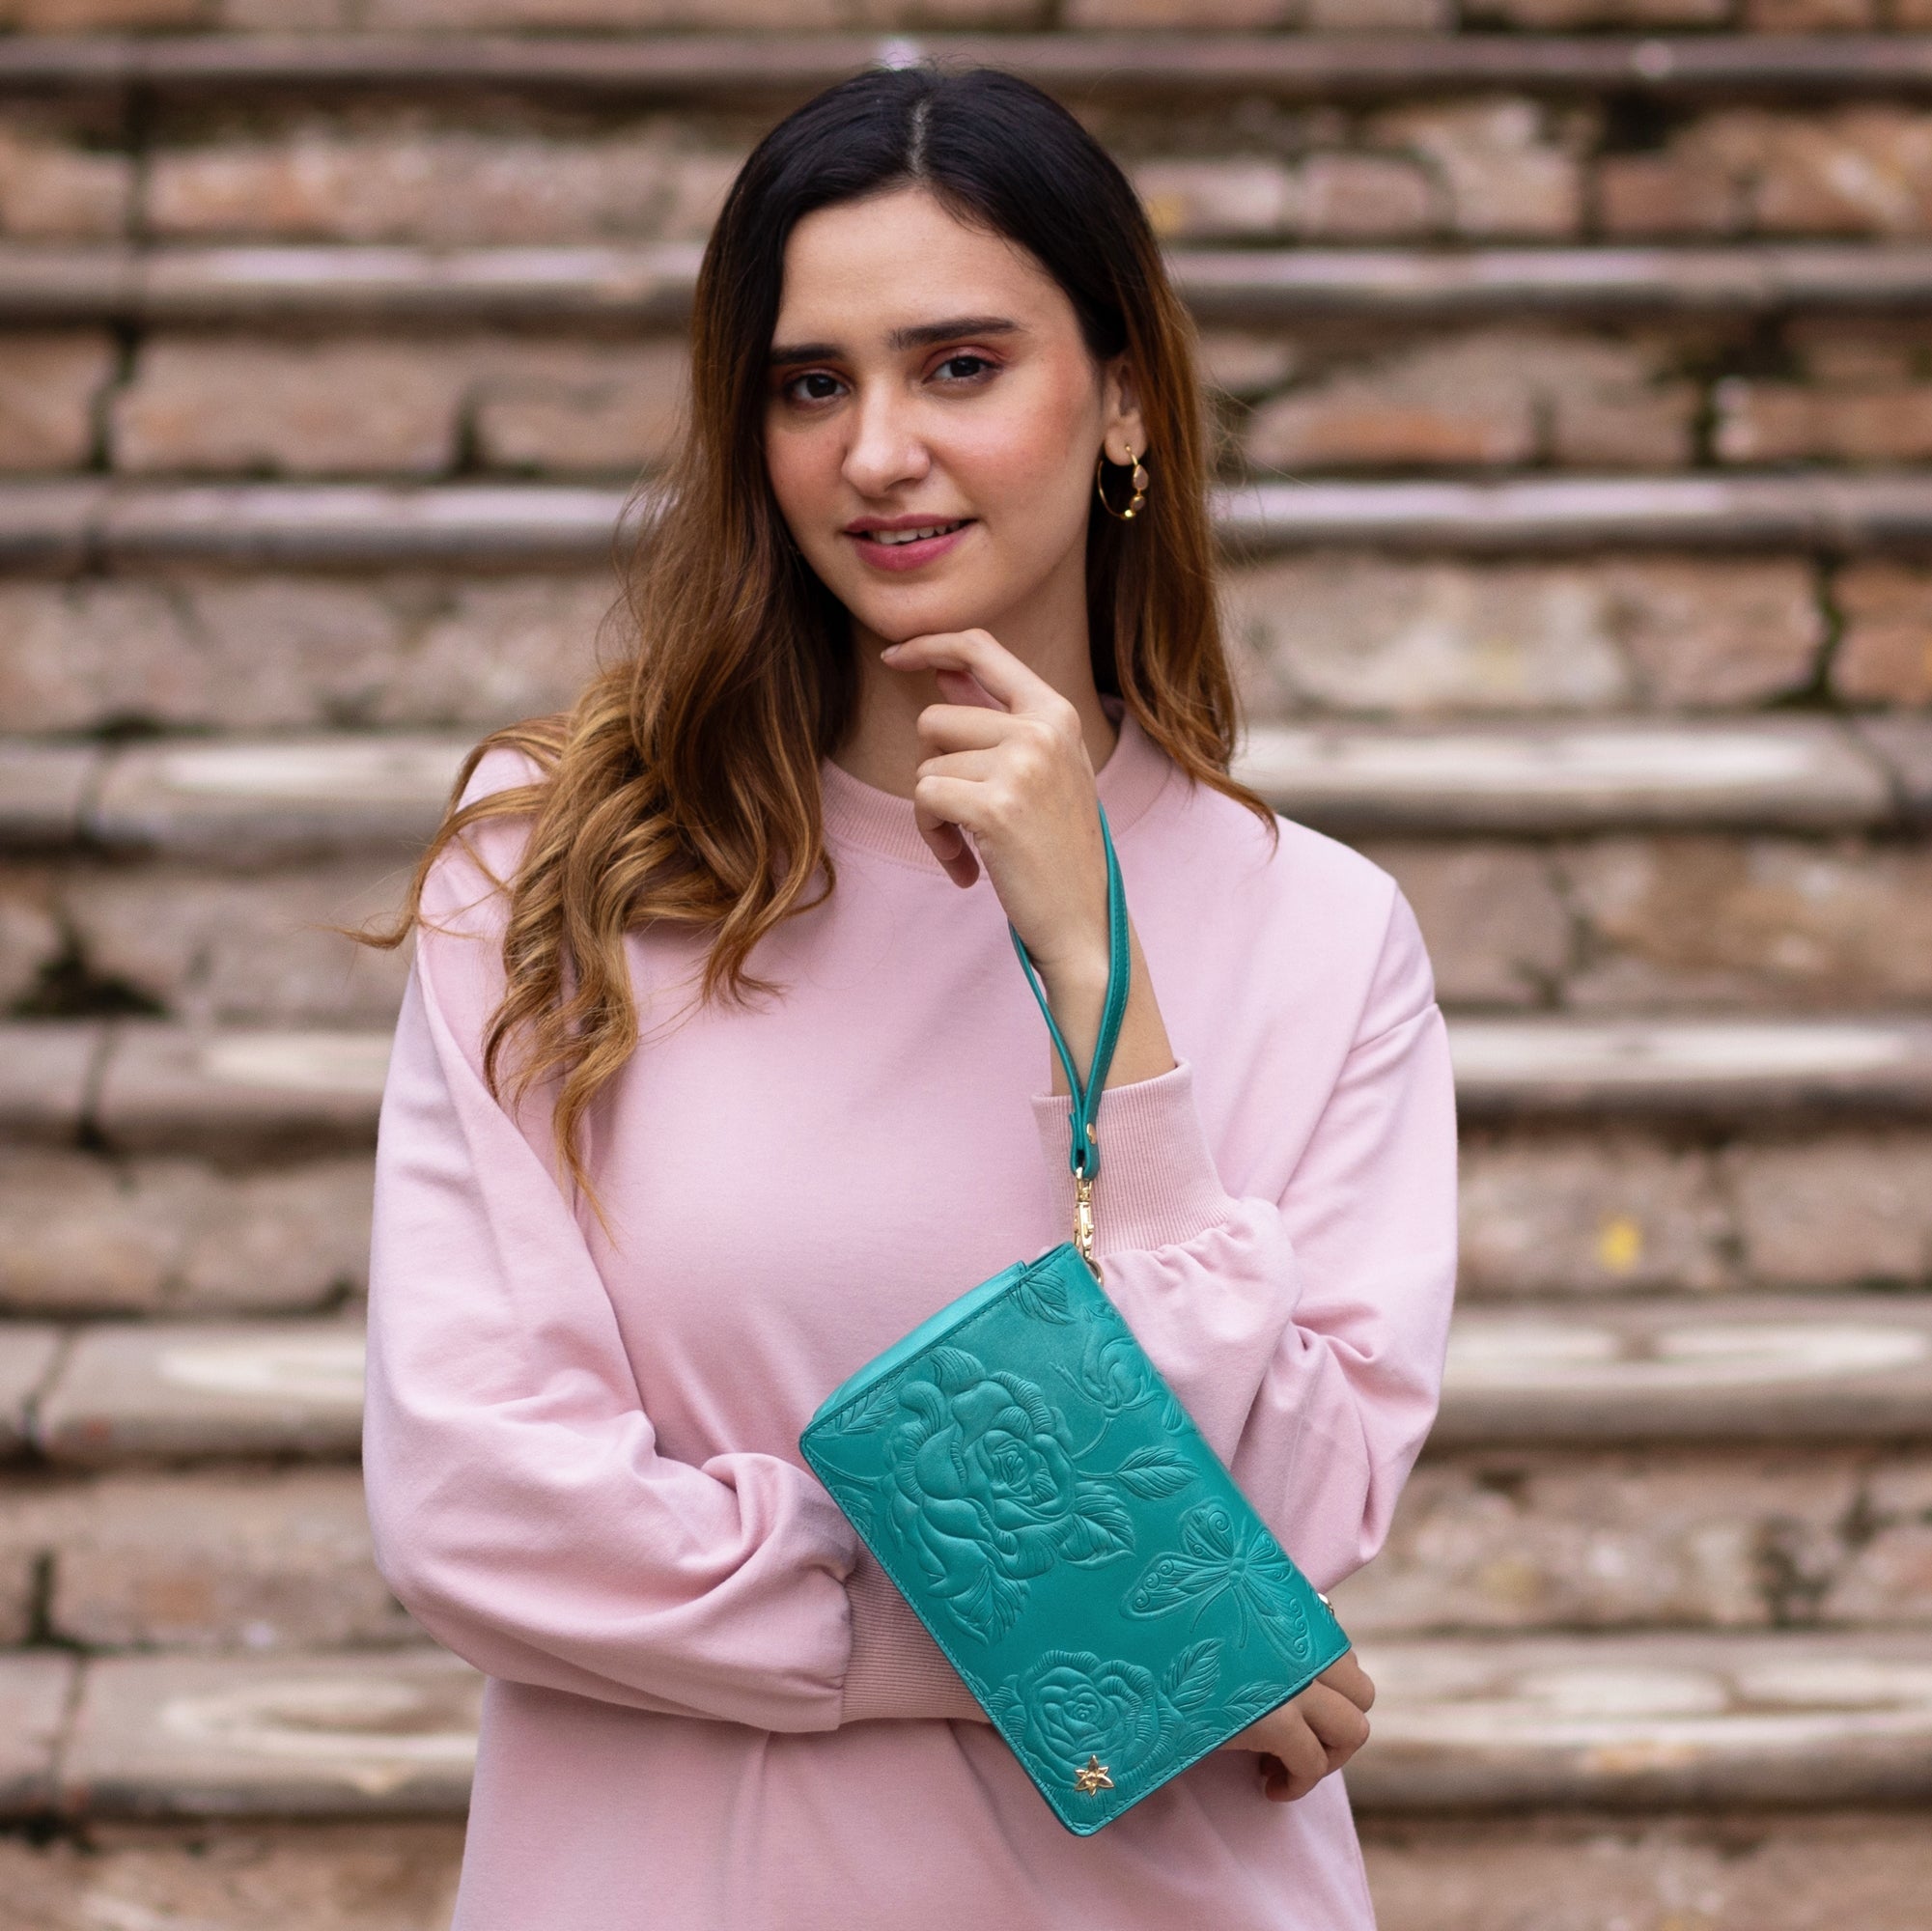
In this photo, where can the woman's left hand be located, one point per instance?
(1017, 777)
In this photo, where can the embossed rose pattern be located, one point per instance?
(1116, 1377)
(982, 1487)
(1073, 1705)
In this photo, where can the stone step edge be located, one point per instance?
(1637, 1723)
(251, 800)
(1732, 1370)
(138, 1086)
(68, 525)
(1300, 66)
(652, 283)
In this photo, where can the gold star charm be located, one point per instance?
(1093, 1780)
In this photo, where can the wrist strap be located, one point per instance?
(1084, 1153)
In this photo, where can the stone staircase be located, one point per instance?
(1577, 398)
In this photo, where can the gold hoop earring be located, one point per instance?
(1139, 481)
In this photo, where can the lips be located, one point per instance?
(907, 544)
(892, 538)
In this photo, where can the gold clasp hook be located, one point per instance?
(1084, 1222)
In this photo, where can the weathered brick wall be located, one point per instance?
(269, 651)
(189, 1054)
(1420, 16)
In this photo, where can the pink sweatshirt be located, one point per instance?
(707, 1710)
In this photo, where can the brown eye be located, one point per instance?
(962, 368)
(815, 387)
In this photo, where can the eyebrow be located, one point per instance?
(923, 335)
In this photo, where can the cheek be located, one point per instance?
(1027, 466)
(804, 470)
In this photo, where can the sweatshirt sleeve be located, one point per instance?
(1304, 1334)
(520, 1506)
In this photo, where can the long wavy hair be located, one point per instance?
(684, 785)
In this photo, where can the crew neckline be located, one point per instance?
(861, 814)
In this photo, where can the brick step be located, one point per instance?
(1766, 1872)
(355, 1876)
(1549, 779)
(117, 1393)
(1310, 68)
(650, 283)
(69, 525)
(1757, 1872)
(1715, 1068)
(167, 1238)
(1737, 1369)
(1767, 1368)
(1549, 863)
(1568, 1212)
(371, 1735)
(273, 843)
(1594, 928)
(246, 803)
(1356, 139)
(1317, 396)
(1329, 633)
(560, 360)
(1591, 925)
(1646, 1722)
(249, 1557)
(1575, 1211)
(1702, 398)
(1664, 1721)
(382, 376)
(143, 1087)
(1632, 1537)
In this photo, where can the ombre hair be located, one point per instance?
(684, 785)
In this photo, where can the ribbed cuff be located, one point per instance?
(1157, 1185)
(896, 1668)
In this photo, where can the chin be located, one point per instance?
(920, 612)
(979, 598)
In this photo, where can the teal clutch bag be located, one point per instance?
(1034, 1490)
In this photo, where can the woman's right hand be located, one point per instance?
(1303, 1739)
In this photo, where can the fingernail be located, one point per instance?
(889, 650)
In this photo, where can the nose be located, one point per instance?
(885, 451)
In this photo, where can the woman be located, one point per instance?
(640, 1207)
